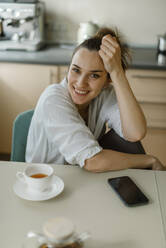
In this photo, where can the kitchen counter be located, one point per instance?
(147, 58)
(142, 58)
(50, 55)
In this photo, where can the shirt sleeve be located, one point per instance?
(66, 129)
(111, 110)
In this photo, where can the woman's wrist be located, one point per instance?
(144, 162)
(118, 76)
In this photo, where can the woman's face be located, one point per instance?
(86, 77)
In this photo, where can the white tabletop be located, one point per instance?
(91, 204)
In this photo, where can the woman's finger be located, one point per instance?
(158, 165)
(105, 59)
(103, 55)
(109, 40)
(108, 50)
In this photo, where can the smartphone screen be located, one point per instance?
(128, 191)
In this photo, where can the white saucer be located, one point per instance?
(20, 189)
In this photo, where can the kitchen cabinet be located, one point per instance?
(62, 72)
(149, 87)
(20, 87)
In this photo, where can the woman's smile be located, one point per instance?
(80, 92)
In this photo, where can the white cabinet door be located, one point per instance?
(20, 87)
(149, 87)
(62, 72)
(155, 143)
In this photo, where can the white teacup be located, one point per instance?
(38, 177)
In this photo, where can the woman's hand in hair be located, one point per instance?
(110, 53)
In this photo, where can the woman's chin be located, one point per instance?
(80, 99)
(80, 102)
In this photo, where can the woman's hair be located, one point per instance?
(93, 44)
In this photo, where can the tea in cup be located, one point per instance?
(38, 177)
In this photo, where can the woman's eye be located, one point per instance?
(94, 75)
(75, 70)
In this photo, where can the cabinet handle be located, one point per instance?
(149, 77)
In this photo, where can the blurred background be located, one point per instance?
(140, 21)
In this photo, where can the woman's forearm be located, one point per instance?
(109, 160)
(132, 117)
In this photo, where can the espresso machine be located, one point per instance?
(21, 25)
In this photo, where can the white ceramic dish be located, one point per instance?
(20, 189)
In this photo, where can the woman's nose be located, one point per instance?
(82, 81)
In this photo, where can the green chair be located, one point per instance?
(19, 135)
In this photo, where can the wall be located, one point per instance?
(139, 20)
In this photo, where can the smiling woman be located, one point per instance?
(86, 77)
(70, 117)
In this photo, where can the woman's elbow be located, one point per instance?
(137, 136)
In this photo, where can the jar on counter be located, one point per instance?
(57, 233)
(86, 30)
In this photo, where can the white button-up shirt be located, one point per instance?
(59, 135)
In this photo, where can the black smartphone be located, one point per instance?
(128, 191)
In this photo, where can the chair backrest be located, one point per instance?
(19, 135)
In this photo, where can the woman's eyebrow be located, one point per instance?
(90, 71)
(77, 66)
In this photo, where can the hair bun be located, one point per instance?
(104, 31)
